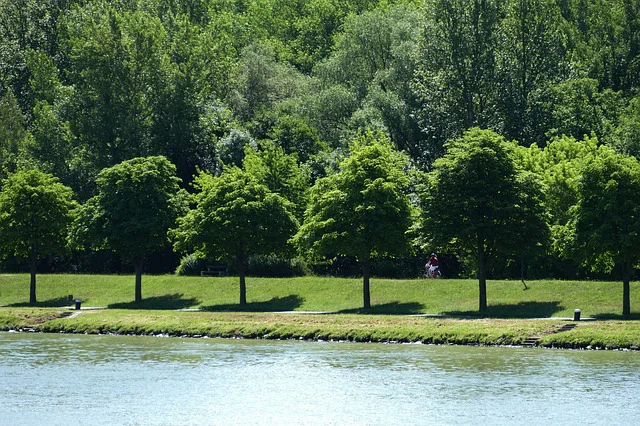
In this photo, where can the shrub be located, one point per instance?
(275, 266)
(192, 264)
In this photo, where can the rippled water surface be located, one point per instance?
(107, 380)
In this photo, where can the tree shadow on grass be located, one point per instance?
(393, 308)
(612, 316)
(167, 302)
(276, 304)
(518, 310)
(58, 302)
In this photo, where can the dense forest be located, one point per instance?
(289, 90)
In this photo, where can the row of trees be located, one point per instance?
(485, 200)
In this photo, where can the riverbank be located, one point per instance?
(609, 334)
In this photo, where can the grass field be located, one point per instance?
(506, 299)
(194, 306)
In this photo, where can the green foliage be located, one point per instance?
(370, 186)
(477, 204)
(373, 58)
(533, 54)
(137, 202)
(280, 173)
(578, 109)
(235, 216)
(608, 220)
(363, 209)
(456, 75)
(560, 166)
(626, 137)
(191, 265)
(12, 133)
(35, 213)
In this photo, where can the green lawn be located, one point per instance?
(506, 299)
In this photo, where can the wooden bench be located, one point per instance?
(215, 271)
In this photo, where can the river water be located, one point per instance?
(128, 380)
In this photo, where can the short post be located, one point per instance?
(78, 303)
(576, 315)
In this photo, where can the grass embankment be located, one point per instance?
(509, 306)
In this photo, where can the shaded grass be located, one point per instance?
(167, 302)
(506, 299)
(276, 304)
(527, 309)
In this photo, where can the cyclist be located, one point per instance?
(432, 265)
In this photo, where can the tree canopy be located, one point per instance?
(235, 216)
(137, 202)
(363, 210)
(608, 221)
(478, 204)
(35, 212)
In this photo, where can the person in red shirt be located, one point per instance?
(432, 265)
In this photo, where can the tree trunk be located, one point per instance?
(366, 293)
(138, 265)
(242, 271)
(626, 291)
(482, 281)
(33, 266)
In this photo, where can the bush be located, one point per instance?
(191, 265)
(274, 266)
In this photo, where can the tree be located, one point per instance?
(12, 133)
(137, 202)
(477, 203)
(456, 74)
(363, 210)
(234, 217)
(374, 57)
(578, 108)
(35, 212)
(626, 136)
(559, 167)
(608, 217)
(119, 67)
(532, 54)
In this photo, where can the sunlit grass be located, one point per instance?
(506, 299)
(339, 327)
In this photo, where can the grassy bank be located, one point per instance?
(213, 309)
(506, 299)
(611, 334)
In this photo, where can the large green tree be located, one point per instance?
(137, 202)
(119, 66)
(608, 217)
(531, 55)
(456, 74)
(363, 210)
(478, 204)
(374, 58)
(35, 213)
(235, 216)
